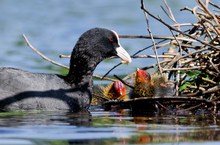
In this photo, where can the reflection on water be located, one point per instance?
(100, 127)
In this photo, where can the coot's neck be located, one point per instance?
(82, 66)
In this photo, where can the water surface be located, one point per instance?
(101, 127)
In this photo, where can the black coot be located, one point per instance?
(22, 90)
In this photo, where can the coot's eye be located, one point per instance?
(111, 39)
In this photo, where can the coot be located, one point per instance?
(116, 91)
(22, 90)
(143, 86)
(147, 85)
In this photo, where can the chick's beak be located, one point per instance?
(123, 54)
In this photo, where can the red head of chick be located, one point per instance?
(142, 76)
(116, 91)
(143, 86)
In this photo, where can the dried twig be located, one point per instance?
(154, 45)
(167, 25)
(43, 56)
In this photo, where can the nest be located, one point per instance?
(168, 105)
(192, 62)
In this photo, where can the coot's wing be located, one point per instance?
(13, 80)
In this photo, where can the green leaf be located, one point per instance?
(183, 87)
(193, 73)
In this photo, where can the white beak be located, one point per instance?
(123, 54)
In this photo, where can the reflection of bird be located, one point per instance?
(143, 86)
(30, 91)
(114, 91)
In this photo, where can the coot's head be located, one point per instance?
(92, 47)
(101, 43)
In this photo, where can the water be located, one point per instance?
(100, 127)
(54, 27)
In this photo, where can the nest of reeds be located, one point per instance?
(192, 62)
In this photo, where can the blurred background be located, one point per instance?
(53, 27)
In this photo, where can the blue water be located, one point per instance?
(101, 127)
(54, 27)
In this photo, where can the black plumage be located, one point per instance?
(22, 90)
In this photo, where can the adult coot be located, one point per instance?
(22, 90)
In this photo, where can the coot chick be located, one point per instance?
(143, 86)
(22, 90)
(154, 85)
(114, 91)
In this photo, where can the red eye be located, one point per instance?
(111, 39)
